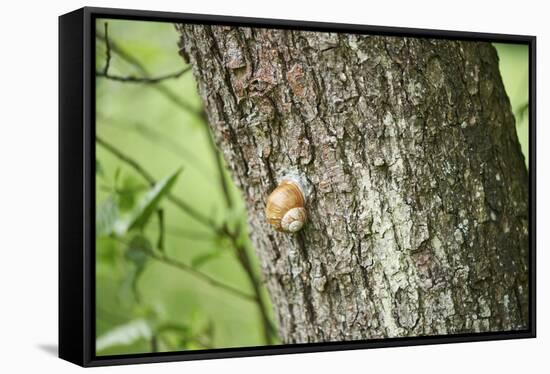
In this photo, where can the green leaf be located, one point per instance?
(127, 193)
(117, 175)
(138, 250)
(137, 253)
(106, 217)
(175, 335)
(147, 205)
(179, 328)
(125, 334)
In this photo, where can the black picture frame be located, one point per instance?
(77, 187)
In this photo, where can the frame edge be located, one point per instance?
(80, 337)
(71, 252)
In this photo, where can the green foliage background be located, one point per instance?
(144, 302)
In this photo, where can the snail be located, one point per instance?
(285, 208)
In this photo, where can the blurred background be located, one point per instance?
(175, 269)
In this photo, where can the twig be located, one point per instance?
(129, 58)
(154, 343)
(146, 80)
(240, 250)
(163, 258)
(130, 161)
(108, 50)
(160, 241)
(246, 264)
(166, 142)
(219, 165)
(188, 234)
(151, 180)
(183, 266)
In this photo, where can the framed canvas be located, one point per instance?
(236, 186)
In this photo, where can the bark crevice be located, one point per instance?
(418, 220)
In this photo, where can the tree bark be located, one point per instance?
(418, 223)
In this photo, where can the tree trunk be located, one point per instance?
(418, 224)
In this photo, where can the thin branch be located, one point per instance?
(168, 143)
(123, 54)
(219, 165)
(145, 80)
(128, 160)
(154, 343)
(187, 268)
(246, 264)
(240, 251)
(108, 50)
(163, 258)
(129, 58)
(189, 234)
(160, 241)
(151, 180)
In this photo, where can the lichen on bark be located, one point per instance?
(418, 221)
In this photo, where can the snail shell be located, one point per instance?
(285, 207)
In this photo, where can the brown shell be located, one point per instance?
(285, 197)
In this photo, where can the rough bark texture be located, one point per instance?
(419, 217)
